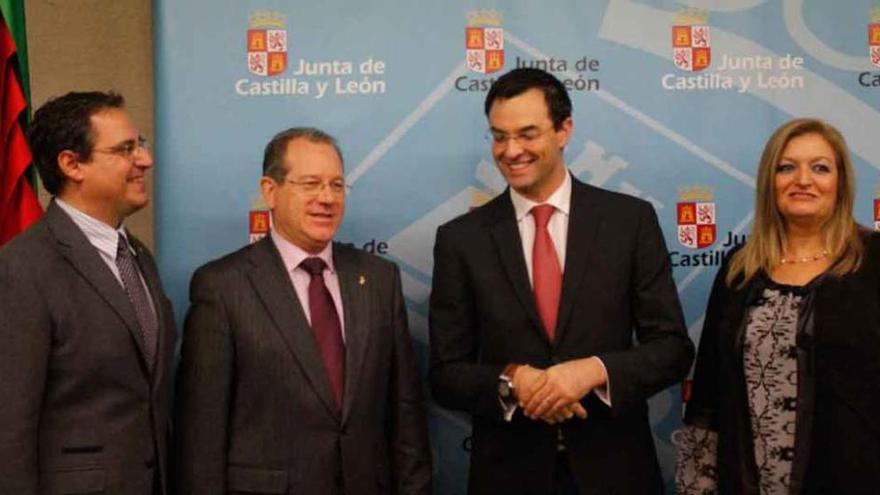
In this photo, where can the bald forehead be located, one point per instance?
(304, 156)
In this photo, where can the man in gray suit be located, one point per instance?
(297, 372)
(86, 332)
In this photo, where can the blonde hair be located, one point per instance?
(764, 247)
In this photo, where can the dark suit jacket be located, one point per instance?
(80, 413)
(837, 445)
(257, 413)
(617, 279)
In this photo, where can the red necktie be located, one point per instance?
(546, 273)
(326, 326)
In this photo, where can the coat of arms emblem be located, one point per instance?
(484, 42)
(266, 44)
(874, 37)
(691, 45)
(696, 217)
(877, 207)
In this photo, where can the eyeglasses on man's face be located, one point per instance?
(312, 186)
(126, 149)
(523, 138)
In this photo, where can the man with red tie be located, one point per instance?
(297, 371)
(536, 297)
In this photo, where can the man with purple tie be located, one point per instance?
(297, 371)
(87, 335)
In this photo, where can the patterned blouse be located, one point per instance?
(770, 364)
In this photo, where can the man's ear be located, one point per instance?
(565, 131)
(70, 166)
(268, 187)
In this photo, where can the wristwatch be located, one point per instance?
(505, 388)
(505, 383)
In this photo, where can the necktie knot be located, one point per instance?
(313, 265)
(542, 214)
(122, 246)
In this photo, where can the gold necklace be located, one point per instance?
(805, 259)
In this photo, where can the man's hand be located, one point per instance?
(526, 381)
(567, 412)
(565, 384)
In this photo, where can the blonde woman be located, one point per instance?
(786, 392)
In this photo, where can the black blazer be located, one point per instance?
(837, 444)
(80, 413)
(256, 410)
(617, 279)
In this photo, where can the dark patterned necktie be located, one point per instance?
(546, 272)
(139, 299)
(326, 326)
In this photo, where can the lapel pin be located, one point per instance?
(362, 280)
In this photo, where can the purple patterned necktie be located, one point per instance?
(326, 326)
(139, 299)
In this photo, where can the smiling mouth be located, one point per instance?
(516, 166)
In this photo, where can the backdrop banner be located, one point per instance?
(673, 102)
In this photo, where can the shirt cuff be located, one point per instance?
(507, 409)
(604, 392)
(509, 405)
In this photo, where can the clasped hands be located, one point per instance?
(553, 395)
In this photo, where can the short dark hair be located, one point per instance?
(64, 123)
(273, 156)
(518, 81)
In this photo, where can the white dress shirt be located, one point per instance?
(558, 229)
(557, 226)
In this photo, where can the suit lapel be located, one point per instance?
(505, 234)
(272, 283)
(583, 225)
(355, 309)
(77, 249)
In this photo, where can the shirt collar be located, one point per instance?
(104, 237)
(293, 255)
(560, 199)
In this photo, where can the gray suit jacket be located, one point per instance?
(80, 413)
(256, 413)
